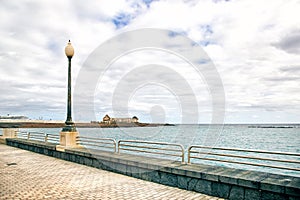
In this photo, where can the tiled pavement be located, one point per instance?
(28, 175)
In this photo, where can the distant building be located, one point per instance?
(108, 120)
(135, 119)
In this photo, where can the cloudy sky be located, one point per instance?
(253, 45)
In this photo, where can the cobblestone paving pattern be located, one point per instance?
(28, 175)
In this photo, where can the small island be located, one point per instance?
(107, 122)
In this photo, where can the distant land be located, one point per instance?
(49, 124)
(20, 121)
(107, 122)
(273, 126)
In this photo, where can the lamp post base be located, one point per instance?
(67, 139)
(69, 128)
(9, 132)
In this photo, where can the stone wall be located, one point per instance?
(212, 180)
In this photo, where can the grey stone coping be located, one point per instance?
(281, 184)
(34, 143)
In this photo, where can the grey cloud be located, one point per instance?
(29, 104)
(290, 43)
(276, 107)
(290, 69)
(264, 105)
(281, 79)
(31, 99)
(44, 85)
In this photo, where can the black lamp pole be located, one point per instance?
(69, 124)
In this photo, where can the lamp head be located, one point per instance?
(69, 50)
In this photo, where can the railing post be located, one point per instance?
(119, 146)
(115, 146)
(189, 156)
(46, 137)
(28, 135)
(182, 153)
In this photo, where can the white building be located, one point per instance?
(108, 120)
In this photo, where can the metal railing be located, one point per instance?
(104, 143)
(51, 137)
(21, 134)
(231, 156)
(150, 147)
(38, 136)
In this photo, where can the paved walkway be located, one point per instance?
(28, 175)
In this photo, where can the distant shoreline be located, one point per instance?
(273, 126)
(79, 125)
(49, 124)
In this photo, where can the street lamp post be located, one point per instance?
(69, 124)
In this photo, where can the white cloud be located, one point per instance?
(254, 45)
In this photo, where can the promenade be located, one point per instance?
(28, 175)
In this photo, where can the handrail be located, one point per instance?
(259, 158)
(147, 149)
(46, 137)
(51, 137)
(247, 150)
(20, 132)
(221, 157)
(97, 142)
